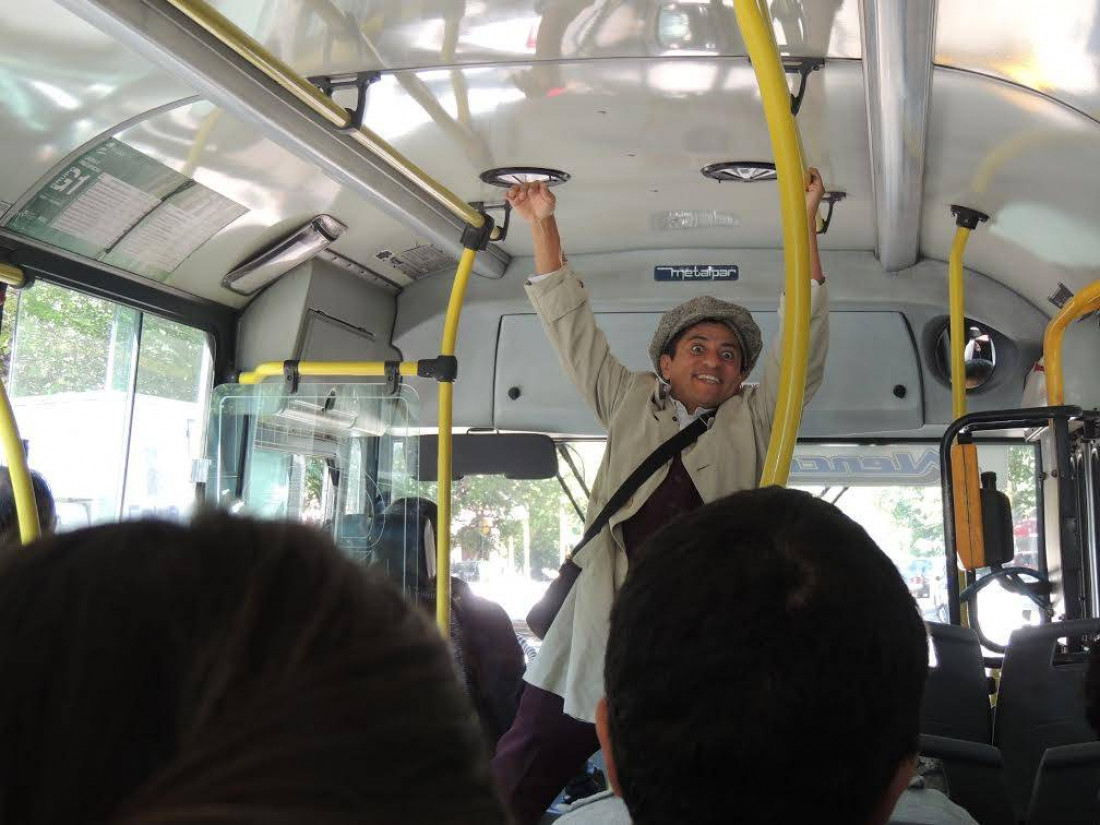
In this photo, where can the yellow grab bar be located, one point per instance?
(327, 369)
(26, 507)
(790, 169)
(446, 398)
(1084, 302)
(966, 220)
(203, 14)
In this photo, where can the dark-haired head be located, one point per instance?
(228, 672)
(766, 663)
(9, 517)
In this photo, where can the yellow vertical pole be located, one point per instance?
(957, 303)
(26, 507)
(446, 400)
(790, 169)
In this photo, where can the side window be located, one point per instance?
(111, 403)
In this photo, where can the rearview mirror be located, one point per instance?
(518, 456)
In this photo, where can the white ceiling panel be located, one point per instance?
(348, 35)
(63, 83)
(1051, 47)
(634, 136)
(1033, 165)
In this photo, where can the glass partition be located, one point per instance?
(325, 456)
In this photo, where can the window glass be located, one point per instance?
(169, 414)
(110, 401)
(509, 536)
(72, 363)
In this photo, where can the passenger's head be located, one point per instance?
(229, 672)
(765, 665)
(704, 349)
(9, 517)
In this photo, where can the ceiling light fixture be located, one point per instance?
(740, 171)
(270, 263)
(508, 176)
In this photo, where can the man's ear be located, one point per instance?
(666, 364)
(603, 733)
(896, 788)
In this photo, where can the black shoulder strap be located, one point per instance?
(665, 452)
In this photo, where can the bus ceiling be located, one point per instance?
(998, 110)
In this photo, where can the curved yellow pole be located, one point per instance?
(446, 397)
(26, 507)
(957, 303)
(1084, 302)
(786, 146)
(327, 369)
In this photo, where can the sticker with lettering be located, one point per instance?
(696, 272)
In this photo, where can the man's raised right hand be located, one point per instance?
(532, 201)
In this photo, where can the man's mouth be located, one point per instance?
(709, 379)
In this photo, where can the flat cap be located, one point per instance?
(707, 308)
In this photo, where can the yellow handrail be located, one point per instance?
(12, 276)
(26, 507)
(327, 369)
(790, 169)
(446, 396)
(204, 15)
(1084, 302)
(957, 304)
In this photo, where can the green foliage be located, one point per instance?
(171, 360)
(917, 511)
(486, 516)
(71, 342)
(1021, 481)
(63, 341)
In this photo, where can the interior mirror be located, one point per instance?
(979, 354)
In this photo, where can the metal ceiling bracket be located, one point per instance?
(966, 217)
(504, 206)
(291, 376)
(393, 377)
(898, 50)
(803, 67)
(831, 198)
(361, 82)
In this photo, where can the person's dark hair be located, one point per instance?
(1092, 687)
(9, 518)
(233, 671)
(765, 665)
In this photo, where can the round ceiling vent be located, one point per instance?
(740, 171)
(508, 176)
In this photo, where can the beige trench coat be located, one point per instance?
(638, 417)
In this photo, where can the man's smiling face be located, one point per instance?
(705, 367)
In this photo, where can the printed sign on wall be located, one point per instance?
(696, 272)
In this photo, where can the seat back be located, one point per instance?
(956, 693)
(402, 547)
(1041, 703)
(1066, 786)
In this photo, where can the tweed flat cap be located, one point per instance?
(707, 308)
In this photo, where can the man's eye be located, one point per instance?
(728, 356)
(697, 349)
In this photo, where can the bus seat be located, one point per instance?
(402, 546)
(1067, 786)
(975, 777)
(956, 694)
(1041, 702)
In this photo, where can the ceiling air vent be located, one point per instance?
(508, 176)
(740, 171)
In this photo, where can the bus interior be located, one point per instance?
(172, 218)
